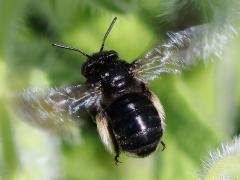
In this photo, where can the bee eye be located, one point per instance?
(111, 55)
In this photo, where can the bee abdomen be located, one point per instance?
(136, 124)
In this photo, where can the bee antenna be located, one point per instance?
(107, 33)
(71, 48)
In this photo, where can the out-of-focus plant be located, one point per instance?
(223, 163)
(202, 105)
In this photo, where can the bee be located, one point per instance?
(128, 115)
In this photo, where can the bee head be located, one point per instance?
(98, 62)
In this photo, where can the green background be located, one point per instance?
(202, 104)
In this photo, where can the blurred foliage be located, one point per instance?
(202, 105)
(223, 163)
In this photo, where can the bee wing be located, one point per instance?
(53, 107)
(182, 50)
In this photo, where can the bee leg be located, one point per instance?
(163, 145)
(116, 159)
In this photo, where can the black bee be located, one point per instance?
(129, 117)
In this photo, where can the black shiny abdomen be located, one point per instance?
(136, 124)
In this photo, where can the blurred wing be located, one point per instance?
(51, 108)
(182, 50)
